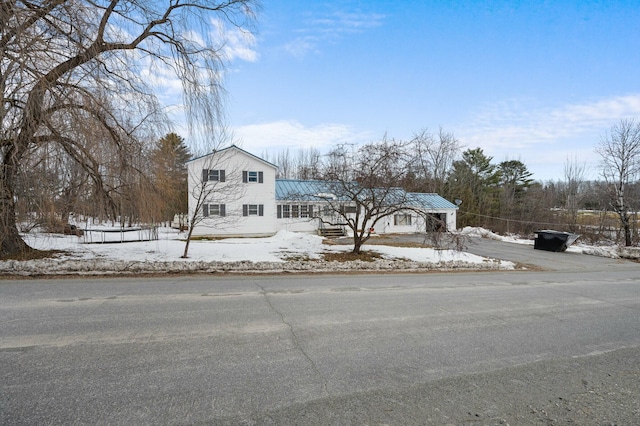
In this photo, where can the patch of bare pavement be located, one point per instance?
(599, 389)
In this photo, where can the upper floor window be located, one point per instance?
(252, 176)
(209, 175)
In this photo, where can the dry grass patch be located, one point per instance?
(408, 244)
(34, 254)
(205, 238)
(365, 256)
(295, 257)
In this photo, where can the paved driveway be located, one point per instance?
(523, 254)
(526, 255)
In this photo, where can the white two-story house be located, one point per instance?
(235, 193)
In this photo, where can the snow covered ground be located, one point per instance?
(285, 251)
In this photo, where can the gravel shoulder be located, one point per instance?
(598, 389)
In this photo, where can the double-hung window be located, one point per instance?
(210, 175)
(253, 210)
(209, 210)
(402, 219)
(252, 176)
(346, 208)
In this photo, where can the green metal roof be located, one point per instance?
(316, 190)
(303, 190)
(431, 201)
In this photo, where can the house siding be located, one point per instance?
(245, 180)
(235, 192)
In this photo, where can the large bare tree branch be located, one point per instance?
(72, 67)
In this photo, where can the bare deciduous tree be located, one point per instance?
(70, 64)
(285, 165)
(362, 186)
(434, 158)
(620, 167)
(573, 181)
(308, 164)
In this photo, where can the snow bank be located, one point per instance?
(485, 233)
(285, 251)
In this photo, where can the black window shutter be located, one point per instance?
(261, 210)
(221, 175)
(205, 175)
(205, 210)
(310, 210)
(223, 210)
(279, 214)
(245, 210)
(244, 177)
(260, 178)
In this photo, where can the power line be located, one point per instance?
(521, 221)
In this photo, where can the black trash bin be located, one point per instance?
(553, 240)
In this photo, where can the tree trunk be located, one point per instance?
(624, 218)
(357, 243)
(185, 255)
(12, 243)
(191, 225)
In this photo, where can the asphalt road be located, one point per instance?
(304, 349)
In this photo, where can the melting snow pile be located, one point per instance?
(485, 233)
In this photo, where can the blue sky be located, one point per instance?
(539, 81)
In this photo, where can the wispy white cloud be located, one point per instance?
(234, 44)
(346, 22)
(302, 46)
(329, 28)
(165, 82)
(237, 44)
(515, 124)
(294, 135)
(545, 137)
